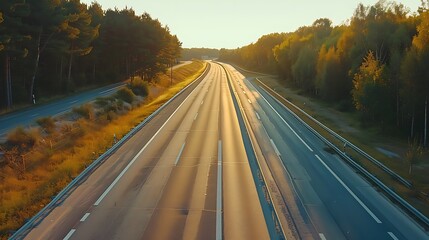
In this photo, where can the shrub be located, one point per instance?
(126, 95)
(86, 111)
(139, 87)
(47, 123)
(22, 138)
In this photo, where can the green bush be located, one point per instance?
(139, 87)
(126, 95)
(86, 111)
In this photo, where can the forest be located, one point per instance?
(199, 53)
(56, 47)
(377, 63)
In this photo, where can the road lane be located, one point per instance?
(243, 215)
(162, 184)
(182, 207)
(339, 203)
(82, 199)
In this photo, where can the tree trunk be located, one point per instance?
(61, 74)
(70, 69)
(426, 124)
(94, 72)
(412, 125)
(8, 83)
(36, 66)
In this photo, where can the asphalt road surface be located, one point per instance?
(185, 175)
(332, 198)
(28, 116)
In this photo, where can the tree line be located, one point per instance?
(54, 47)
(376, 63)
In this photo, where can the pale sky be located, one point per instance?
(236, 23)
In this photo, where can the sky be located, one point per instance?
(236, 23)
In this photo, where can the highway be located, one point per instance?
(29, 115)
(185, 175)
(332, 200)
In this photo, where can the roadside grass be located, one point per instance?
(368, 139)
(59, 157)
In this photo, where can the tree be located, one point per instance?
(413, 155)
(370, 92)
(12, 38)
(78, 31)
(415, 75)
(44, 20)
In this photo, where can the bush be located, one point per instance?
(47, 123)
(86, 111)
(126, 95)
(22, 138)
(139, 87)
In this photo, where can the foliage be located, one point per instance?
(47, 123)
(126, 95)
(369, 93)
(198, 53)
(139, 87)
(22, 138)
(86, 111)
(377, 60)
(414, 154)
(36, 174)
(58, 47)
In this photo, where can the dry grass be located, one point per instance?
(53, 166)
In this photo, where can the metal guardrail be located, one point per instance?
(36, 219)
(416, 213)
(402, 180)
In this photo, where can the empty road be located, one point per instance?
(185, 175)
(332, 200)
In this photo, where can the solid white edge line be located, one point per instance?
(139, 153)
(84, 217)
(349, 190)
(219, 193)
(287, 124)
(275, 147)
(322, 236)
(68, 236)
(180, 154)
(392, 236)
